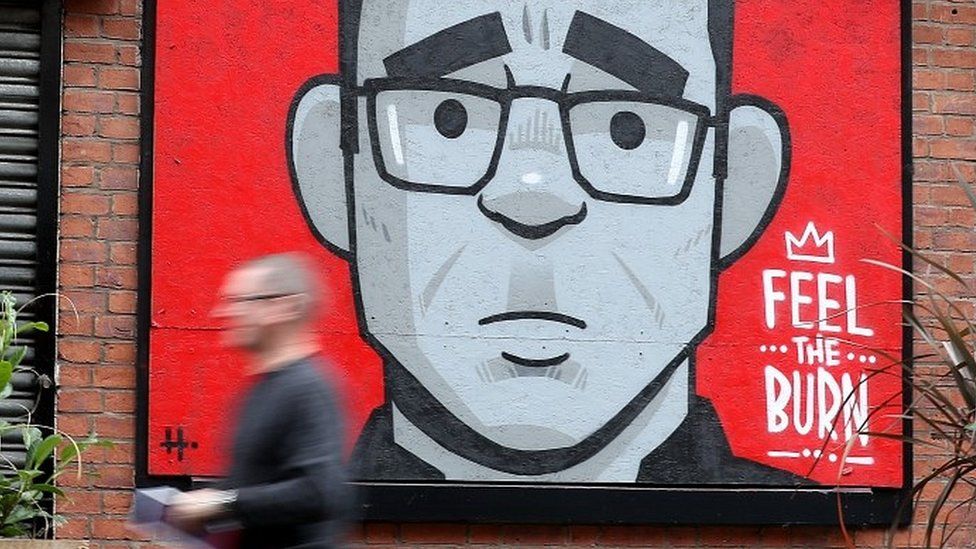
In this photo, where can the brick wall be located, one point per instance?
(99, 178)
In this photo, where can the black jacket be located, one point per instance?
(287, 462)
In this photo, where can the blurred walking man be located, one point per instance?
(287, 481)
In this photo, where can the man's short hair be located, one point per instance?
(288, 273)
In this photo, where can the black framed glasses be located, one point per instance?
(446, 136)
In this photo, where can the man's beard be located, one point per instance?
(420, 407)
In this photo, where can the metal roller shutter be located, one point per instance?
(21, 269)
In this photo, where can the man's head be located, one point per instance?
(265, 298)
(538, 197)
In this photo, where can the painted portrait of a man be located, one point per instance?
(536, 200)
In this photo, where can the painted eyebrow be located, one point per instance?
(454, 48)
(623, 55)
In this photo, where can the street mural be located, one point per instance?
(565, 242)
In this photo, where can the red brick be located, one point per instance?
(80, 400)
(78, 125)
(116, 277)
(77, 226)
(80, 502)
(535, 534)
(113, 228)
(115, 377)
(99, 7)
(129, 55)
(77, 176)
(961, 127)
(920, 101)
(83, 325)
(75, 276)
(927, 125)
(433, 534)
(76, 376)
(960, 36)
(82, 301)
(122, 128)
(122, 28)
(117, 502)
(85, 203)
(952, 13)
(74, 424)
(120, 402)
(961, 80)
(122, 253)
(120, 352)
(125, 153)
(78, 75)
(83, 100)
(124, 78)
(114, 476)
(116, 327)
(586, 535)
(89, 52)
(954, 103)
(380, 532)
(80, 150)
(634, 536)
(130, 7)
(128, 103)
(928, 79)
(78, 527)
(78, 25)
(125, 204)
(927, 34)
(954, 148)
(122, 302)
(119, 178)
(486, 534)
(111, 528)
(960, 58)
(84, 251)
(114, 426)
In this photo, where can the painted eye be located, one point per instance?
(450, 118)
(627, 130)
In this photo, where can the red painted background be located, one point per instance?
(225, 76)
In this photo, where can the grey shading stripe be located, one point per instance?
(452, 49)
(623, 55)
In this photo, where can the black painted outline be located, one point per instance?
(533, 315)
(545, 503)
(535, 362)
(531, 232)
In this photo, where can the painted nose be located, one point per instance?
(533, 193)
(531, 215)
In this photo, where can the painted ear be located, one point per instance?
(758, 166)
(315, 160)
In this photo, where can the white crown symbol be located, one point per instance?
(821, 251)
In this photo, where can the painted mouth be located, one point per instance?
(536, 362)
(534, 315)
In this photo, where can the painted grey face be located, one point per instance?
(534, 204)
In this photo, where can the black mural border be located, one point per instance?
(553, 503)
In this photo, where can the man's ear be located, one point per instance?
(315, 160)
(758, 166)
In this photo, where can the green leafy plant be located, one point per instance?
(26, 488)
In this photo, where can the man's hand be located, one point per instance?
(191, 511)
